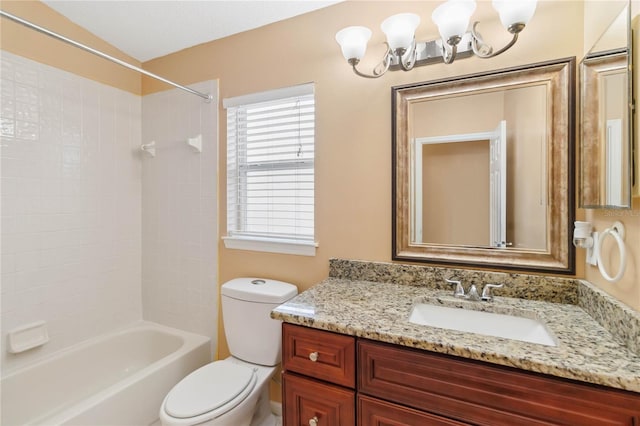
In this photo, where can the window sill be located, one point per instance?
(271, 245)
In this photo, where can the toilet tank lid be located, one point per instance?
(259, 290)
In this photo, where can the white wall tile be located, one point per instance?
(179, 266)
(94, 232)
(70, 219)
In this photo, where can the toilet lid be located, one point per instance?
(208, 388)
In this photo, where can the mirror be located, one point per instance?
(491, 185)
(606, 118)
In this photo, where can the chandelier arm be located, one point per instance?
(448, 56)
(378, 71)
(413, 55)
(477, 43)
(505, 48)
(384, 65)
(374, 75)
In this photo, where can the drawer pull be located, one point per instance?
(314, 420)
(313, 356)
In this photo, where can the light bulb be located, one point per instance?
(353, 41)
(400, 30)
(452, 17)
(514, 12)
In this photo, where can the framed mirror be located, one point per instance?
(606, 118)
(492, 184)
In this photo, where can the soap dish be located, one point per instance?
(28, 337)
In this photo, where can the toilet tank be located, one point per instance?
(247, 303)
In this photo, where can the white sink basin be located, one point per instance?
(487, 323)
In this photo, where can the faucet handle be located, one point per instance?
(486, 291)
(459, 290)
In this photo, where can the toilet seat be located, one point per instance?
(211, 390)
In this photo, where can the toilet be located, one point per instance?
(235, 391)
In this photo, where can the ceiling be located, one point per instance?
(147, 29)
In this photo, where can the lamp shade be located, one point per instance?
(514, 12)
(400, 29)
(452, 17)
(353, 41)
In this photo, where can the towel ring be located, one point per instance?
(617, 232)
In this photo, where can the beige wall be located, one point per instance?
(628, 288)
(353, 144)
(527, 160)
(477, 113)
(453, 175)
(447, 216)
(353, 154)
(23, 41)
(524, 110)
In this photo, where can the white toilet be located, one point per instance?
(235, 391)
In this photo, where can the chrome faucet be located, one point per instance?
(472, 294)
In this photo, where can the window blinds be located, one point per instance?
(270, 165)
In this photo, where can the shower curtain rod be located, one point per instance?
(205, 96)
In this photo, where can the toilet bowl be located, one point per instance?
(235, 391)
(230, 392)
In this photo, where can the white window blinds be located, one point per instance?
(270, 166)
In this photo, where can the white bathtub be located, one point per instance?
(116, 379)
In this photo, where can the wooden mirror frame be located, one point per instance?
(559, 256)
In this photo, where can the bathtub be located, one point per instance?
(116, 379)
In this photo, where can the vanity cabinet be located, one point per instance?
(319, 377)
(484, 394)
(331, 379)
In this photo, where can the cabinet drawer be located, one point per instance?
(308, 400)
(486, 394)
(320, 354)
(374, 412)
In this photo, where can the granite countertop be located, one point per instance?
(585, 350)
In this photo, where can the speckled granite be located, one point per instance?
(586, 351)
(522, 286)
(619, 319)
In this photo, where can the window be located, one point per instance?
(270, 171)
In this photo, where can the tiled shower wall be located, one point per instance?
(71, 205)
(96, 234)
(179, 211)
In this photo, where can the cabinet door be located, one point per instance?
(375, 412)
(320, 354)
(308, 402)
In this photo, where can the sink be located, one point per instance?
(480, 322)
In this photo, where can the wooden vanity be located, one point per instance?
(335, 379)
(352, 355)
